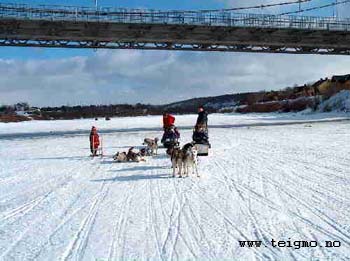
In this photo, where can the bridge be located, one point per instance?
(225, 31)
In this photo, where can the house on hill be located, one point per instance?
(304, 91)
(341, 78)
(336, 84)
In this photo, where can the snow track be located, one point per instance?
(264, 183)
(76, 249)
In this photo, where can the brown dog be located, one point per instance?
(152, 145)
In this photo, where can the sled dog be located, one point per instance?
(120, 157)
(144, 152)
(169, 151)
(128, 156)
(152, 145)
(133, 156)
(189, 160)
(177, 160)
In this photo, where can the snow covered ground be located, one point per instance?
(44, 128)
(265, 179)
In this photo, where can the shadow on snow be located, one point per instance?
(133, 178)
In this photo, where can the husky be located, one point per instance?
(133, 156)
(190, 159)
(169, 151)
(177, 161)
(152, 145)
(120, 157)
(128, 156)
(144, 152)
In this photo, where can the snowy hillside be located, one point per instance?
(338, 102)
(266, 179)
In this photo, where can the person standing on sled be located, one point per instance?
(94, 141)
(200, 133)
(202, 119)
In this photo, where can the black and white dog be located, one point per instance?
(120, 157)
(128, 156)
(184, 159)
(190, 159)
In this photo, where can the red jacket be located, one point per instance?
(168, 120)
(94, 140)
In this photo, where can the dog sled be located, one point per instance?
(201, 140)
(170, 138)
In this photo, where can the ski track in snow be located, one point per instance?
(285, 182)
(78, 245)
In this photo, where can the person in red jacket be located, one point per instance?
(168, 121)
(94, 141)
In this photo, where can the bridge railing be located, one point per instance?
(138, 16)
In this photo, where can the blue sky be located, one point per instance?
(64, 76)
(155, 4)
(179, 4)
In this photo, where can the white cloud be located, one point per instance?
(156, 76)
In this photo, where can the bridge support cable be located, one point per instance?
(334, 4)
(99, 11)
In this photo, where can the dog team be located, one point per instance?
(183, 160)
(151, 149)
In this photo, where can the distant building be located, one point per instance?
(21, 106)
(341, 78)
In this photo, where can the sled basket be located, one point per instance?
(203, 149)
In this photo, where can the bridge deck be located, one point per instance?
(73, 27)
